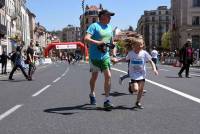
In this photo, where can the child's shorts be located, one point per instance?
(137, 81)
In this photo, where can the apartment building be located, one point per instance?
(152, 24)
(71, 33)
(3, 28)
(90, 16)
(32, 25)
(186, 22)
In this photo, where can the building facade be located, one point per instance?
(153, 24)
(90, 16)
(71, 33)
(186, 22)
(3, 28)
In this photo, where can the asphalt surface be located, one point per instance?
(56, 102)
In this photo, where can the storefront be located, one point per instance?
(3, 42)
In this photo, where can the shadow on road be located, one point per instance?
(116, 94)
(172, 77)
(64, 110)
(14, 80)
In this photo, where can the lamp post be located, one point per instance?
(83, 33)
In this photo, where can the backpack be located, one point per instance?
(13, 57)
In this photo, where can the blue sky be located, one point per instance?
(57, 14)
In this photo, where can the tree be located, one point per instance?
(120, 47)
(166, 40)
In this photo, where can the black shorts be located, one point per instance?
(137, 81)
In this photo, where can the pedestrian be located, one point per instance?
(17, 63)
(4, 58)
(30, 60)
(186, 58)
(97, 35)
(137, 68)
(154, 55)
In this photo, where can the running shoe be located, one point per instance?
(179, 75)
(92, 100)
(108, 104)
(138, 105)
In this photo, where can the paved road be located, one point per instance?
(56, 102)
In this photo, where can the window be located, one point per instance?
(87, 20)
(195, 41)
(167, 18)
(195, 20)
(153, 13)
(153, 19)
(196, 3)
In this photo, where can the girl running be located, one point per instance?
(137, 66)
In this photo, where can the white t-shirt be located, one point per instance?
(137, 66)
(154, 54)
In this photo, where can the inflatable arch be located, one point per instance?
(54, 44)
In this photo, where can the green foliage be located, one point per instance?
(166, 40)
(120, 47)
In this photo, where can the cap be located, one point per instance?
(106, 12)
(189, 40)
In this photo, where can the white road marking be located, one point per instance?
(4, 115)
(167, 88)
(164, 70)
(194, 74)
(57, 79)
(43, 89)
(175, 91)
(65, 72)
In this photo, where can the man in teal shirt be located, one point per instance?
(97, 35)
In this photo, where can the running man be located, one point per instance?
(97, 35)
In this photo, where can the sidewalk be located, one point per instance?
(9, 67)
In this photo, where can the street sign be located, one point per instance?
(70, 46)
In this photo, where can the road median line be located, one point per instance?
(4, 115)
(40, 91)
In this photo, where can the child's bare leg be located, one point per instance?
(134, 87)
(140, 92)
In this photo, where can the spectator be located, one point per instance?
(17, 63)
(186, 58)
(4, 58)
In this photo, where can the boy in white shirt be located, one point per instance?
(137, 67)
(154, 55)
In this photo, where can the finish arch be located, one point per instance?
(54, 44)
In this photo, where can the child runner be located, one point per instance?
(137, 68)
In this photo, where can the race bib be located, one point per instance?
(137, 65)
